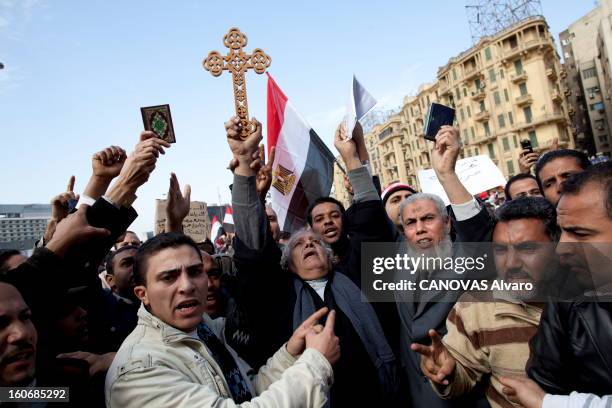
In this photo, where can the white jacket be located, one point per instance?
(160, 366)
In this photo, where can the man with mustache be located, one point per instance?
(427, 224)
(488, 332)
(572, 349)
(18, 338)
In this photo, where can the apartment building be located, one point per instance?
(505, 89)
(586, 46)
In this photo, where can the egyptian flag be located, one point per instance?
(216, 226)
(303, 168)
(228, 220)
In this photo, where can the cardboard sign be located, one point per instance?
(196, 224)
(477, 174)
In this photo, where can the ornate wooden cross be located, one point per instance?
(238, 62)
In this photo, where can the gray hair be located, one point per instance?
(424, 196)
(285, 260)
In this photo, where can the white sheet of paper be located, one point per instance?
(477, 174)
(359, 103)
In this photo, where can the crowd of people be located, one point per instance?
(269, 318)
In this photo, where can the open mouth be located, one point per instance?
(330, 232)
(211, 298)
(424, 242)
(188, 307)
(309, 253)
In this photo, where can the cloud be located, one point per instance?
(16, 16)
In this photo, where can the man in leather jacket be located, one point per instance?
(572, 350)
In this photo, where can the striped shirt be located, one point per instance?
(488, 337)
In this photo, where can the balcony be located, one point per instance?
(556, 97)
(524, 100)
(568, 92)
(471, 73)
(540, 120)
(518, 78)
(478, 95)
(539, 43)
(482, 116)
(551, 73)
(444, 89)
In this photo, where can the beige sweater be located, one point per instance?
(488, 337)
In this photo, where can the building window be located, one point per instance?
(506, 144)
(597, 106)
(458, 94)
(603, 138)
(501, 73)
(593, 90)
(523, 88)
(465, 92)
(514, 140)
(518, 67)
(473, 134)
(428, 103)
(477, 84)
(589, 73)
(496, 98)
(491, 151)
(506, 95)
(488, 53)
(528, 115)
(477, 151)
(510, 120)
(501, 120)
(411, 112)
(482, 106)
(492, 77)
(533, 139)
(462, 114)
(454, 74)
(510, 167)
(469, 113)
(487, 130)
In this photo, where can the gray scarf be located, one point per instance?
(347, 297)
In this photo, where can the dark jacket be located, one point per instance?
(572, 350)
(269, 294)
(44, 277)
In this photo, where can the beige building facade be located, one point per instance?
(505, 89)
(586, 47)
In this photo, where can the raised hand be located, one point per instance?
(243, 150)
(348, 149)
(446, 151)
(178, 204)
(60, 203)
(107, 163)
(137, 168)
(72, 230)
(264, 174)
(527, 160)
(325, 341)
(524, 391)
(297, 342)
(436, 362)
